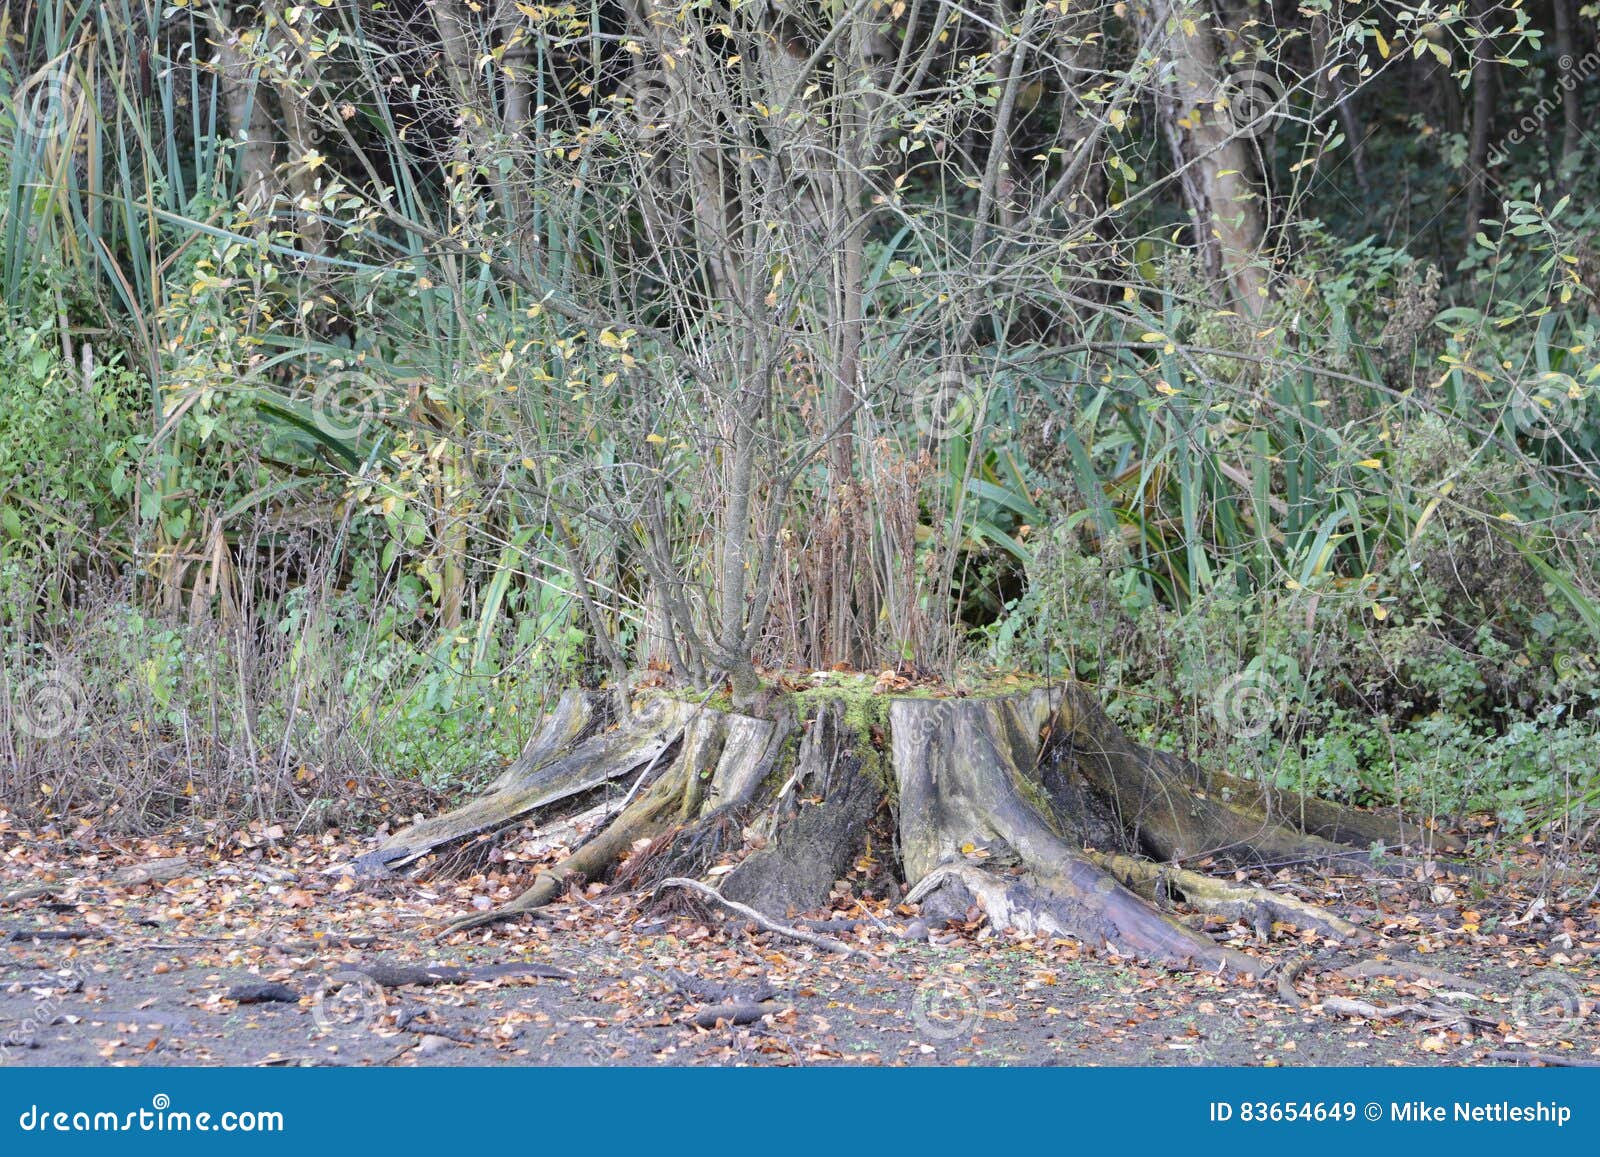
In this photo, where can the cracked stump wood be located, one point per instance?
(994, 801)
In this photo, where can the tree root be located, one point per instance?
(1548, 1060)
(1331, 821)
(557, 765)
(1398, 970)
(732, 1014)
(705, 891)
(1161, 798)
(992, 798)
(431, 975)
(1292, 971)
(1259, 907)
(1436, 1014)
(642, 820)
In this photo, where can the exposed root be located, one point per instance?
(1260, 907)
(1436, 1014)
(1397, 970)
(642, 820)
(705, 891)
(558, 765)
(1287, 975)
(967, 780)
(993, 799)
(1332, 821)
(1158, 797)
(1548, 1060)
(1103, 914)
(732, 1015)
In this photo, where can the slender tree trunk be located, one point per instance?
(1333, 89)
(249, 121)
(848, 223)
(1219, 174)
(1569, 80)
(1483, 84)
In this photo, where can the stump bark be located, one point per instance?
(1033, 806)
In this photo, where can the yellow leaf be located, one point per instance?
(654, 439)
(1383, 45)
(1371, 463)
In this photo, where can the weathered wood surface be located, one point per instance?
(553, 769)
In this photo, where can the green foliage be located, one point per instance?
(69, 447)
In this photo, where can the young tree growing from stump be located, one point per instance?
(773, 266)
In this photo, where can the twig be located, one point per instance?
(1363, 1010)
(1292, 972)
(1405, 970)
(429, 975)
(733, 1014)
(31, 892)
(749, 913)
(1553, 1060)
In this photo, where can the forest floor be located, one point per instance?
(132, 952)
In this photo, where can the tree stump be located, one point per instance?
(1031, 805)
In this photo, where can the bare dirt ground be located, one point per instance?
(141, 953)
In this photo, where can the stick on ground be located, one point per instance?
(784, 930)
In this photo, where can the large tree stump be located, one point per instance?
(1031, 805)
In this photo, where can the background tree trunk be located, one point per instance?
(1218, 171)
